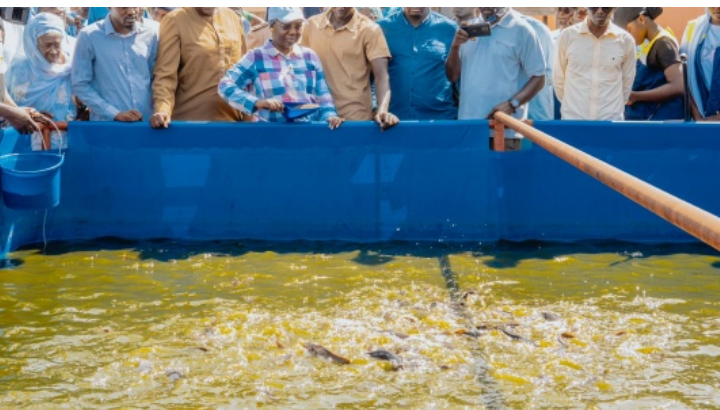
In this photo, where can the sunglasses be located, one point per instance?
(565, 10)
(604, 9)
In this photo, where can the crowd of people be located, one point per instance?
(164, 64)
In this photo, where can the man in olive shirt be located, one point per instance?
(351, 47)
(198, 45)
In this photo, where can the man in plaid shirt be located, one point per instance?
(280, 72)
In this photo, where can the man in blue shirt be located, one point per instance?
(419, 41)
(500, 72)
(113, 65)
(542, 107)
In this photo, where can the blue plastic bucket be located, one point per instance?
(31, 181)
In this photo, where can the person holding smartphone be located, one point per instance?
(499, 72)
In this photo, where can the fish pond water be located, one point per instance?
(233, 325)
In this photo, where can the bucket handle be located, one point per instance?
(46, 134)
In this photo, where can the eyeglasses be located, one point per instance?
(565, 10)
(290, 26)
(604, 9)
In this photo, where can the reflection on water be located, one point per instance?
(223, 325)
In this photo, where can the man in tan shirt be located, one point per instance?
(198, 45)
(594, 68)
(351, 47)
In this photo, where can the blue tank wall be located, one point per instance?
(420, 181)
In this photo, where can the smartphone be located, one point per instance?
(478, 30)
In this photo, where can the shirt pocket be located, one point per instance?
(611, 66)
(432, 50)
(504, 53)
(231, 47)
(579, 60)
(139, 58)
(353, 64)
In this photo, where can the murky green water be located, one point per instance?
(113, 324)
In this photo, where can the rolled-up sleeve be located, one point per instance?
(232, 87)
(82, 75)
(166, 66)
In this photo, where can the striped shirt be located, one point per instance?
(265, 73)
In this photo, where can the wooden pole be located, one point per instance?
(693, 220)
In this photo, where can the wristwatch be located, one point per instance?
(514, 103)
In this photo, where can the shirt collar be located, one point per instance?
(508, 19)
(352, 26)
(612, 30)
(195, 13)
(424, 22)
(110, 29)
(270, 48)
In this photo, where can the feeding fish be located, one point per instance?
(320, 351)
(550, 317)
(382, 354)
(174, 375)
(515, 336)
(469, 333)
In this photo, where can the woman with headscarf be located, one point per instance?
(701, 42)
(41, 79)
(658, 87)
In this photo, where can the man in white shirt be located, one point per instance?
(594, 68)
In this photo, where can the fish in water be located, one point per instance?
(515, 336)
(550, 317)
(560, 340)
(498, 326)
(320, 351)
(174, 375)
(399, 335)
(382, 354)
(469, 333)
(467, 294)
